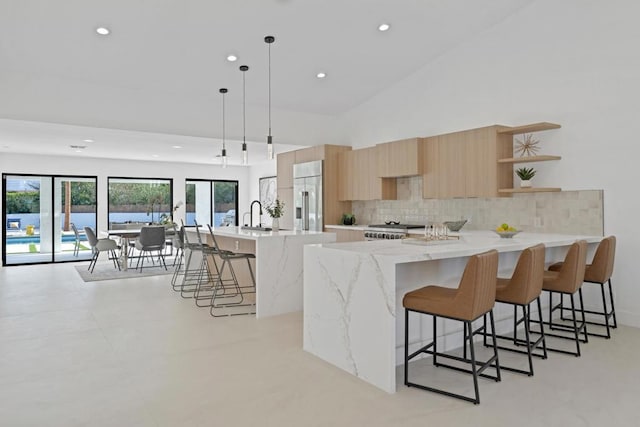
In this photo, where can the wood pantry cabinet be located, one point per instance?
(464, 164)
(358, 176)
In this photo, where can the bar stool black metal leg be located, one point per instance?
(495, 346)
(575, 325)
(474, 369)
(406, 346)
(613, 309)
(526, 313)
(584, 320)
(606, 312)
(544, 341)
(435, 341)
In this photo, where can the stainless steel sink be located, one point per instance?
(256, 228)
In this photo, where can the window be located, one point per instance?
(211, 202)
(39, 214)
(143, 200)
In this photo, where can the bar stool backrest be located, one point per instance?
(601, 267)
(529, 273)
(571, 274)
(223, 254)
(477, 290)
(198, 232)
(178, 237)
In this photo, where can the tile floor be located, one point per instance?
(133, 353)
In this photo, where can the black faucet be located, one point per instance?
(251, 212)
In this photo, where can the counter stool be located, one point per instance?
(474, 297)
(228, 292)
(193, 276)
(179, 243)
(599, 271)
(524, 286)
(567, 281)
(209, 273)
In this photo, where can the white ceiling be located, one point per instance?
(160, 69)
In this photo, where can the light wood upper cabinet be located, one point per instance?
(464, 164)
(309, 154)
(285, 169)
(400, 158)
(359, 178)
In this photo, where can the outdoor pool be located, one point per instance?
(22, 240)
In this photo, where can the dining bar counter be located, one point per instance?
(353, 294)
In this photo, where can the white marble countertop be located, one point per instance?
(239, 233)
(471, 242)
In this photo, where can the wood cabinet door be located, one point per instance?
(400, 158)
(285, 169)
(452, 164)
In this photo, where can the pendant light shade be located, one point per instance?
(223, 91)
(245, 153)
(269, 40)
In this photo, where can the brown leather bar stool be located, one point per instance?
(567, 281)
(520, 290)
(600, 271)
(474, 297)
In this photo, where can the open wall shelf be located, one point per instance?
(528, 190)
(535, 127)
(529, 159)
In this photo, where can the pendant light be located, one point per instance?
(223, 91)
(269, 40)
(245, 153)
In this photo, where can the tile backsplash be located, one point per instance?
(570, 212)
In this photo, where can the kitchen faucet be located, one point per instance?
(251, 212)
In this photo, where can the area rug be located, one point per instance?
(106, 271)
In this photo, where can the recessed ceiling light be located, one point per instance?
(87, 140)
(155, 155)
(384, 27)
(321, 75)
(176, 146)
(232, 58)
(103, 31)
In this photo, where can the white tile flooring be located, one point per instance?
(133, 353)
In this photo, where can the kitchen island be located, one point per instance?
(278, 263)
(353, 295)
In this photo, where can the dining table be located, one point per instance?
(125, 236)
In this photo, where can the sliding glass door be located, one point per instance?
(39, 216)
(212, 202)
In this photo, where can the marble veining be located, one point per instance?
(353, 292)
(278, 272)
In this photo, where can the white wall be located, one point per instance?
(64, 165)
(572, 62)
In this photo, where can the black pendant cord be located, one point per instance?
(270, 88)
(244, 107)
(223, 91)
(223, 126)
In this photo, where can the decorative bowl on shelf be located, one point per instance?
(455, 225)
(506, 234)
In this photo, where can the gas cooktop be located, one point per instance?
(396, 225)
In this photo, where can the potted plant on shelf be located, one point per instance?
(275, 211)
(348, 219)
(525, 175)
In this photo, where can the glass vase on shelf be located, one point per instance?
(275, 224)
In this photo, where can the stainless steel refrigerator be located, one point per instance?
(307, 196)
